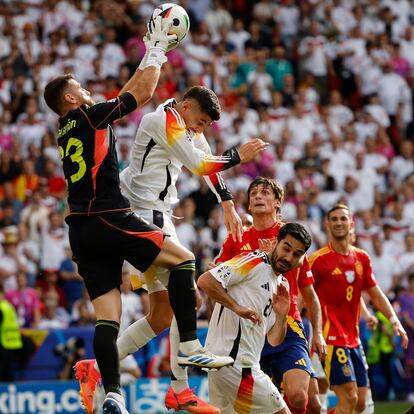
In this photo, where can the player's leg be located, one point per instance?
(361, 375)
(100, 265)
(296, 368)
(295, 385)
(347, 395)
(323, 394)
(314, 403)
(321, 383)
(340, 374)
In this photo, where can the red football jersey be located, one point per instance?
(298, 278)
(339, 281)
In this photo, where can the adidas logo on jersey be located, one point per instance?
(336, 271)
(246, 247)
(266, 286)
(301, 362)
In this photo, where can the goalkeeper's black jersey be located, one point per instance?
(87, 147)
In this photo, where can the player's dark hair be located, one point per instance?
(207, 99)
(297, 231)
(339, 207)
(274, 185)
(54, 91)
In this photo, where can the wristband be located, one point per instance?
(156, 57)
(394, 319)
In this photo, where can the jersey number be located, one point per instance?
(268, 308)
(341, 355)
(349, 291)
(75, 157)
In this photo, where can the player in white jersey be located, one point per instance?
(167, 139)
(252, 301)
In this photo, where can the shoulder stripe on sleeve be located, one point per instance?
(319, 253)
(245, 262)
(178, 117)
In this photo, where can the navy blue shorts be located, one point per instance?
(344, 365)
(292, 353)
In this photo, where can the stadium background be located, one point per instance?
(329, 84)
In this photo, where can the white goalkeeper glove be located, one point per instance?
(157, 40)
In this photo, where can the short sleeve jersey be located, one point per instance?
(339, 281)
(298, 278)
(90, 164)
(249, 279)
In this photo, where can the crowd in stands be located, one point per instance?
(328, 83)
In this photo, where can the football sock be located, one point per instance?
(323, 398)
(369, 404)
(106, 354)
(134, 337)
(181, 292)
(179, 378)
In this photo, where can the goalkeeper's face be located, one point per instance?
(195, 119)
(76, 94)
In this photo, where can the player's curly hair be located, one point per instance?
(207, 99)
(54, 90)
(274, 185)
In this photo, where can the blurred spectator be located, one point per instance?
(30, 250)
(11, 263)
(26, 301)
(54, 239)
(84, 307)
(49, 282)
(54, 316)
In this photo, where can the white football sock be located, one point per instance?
(323, 398)
(134, 337)
(180, 383)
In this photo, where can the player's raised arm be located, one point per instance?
(198, 161)
(144, 81)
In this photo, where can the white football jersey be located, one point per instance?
(250, 280)
(162, 146)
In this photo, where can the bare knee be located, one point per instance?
(297, 397)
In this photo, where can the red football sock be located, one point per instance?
(331, 411)
(295, 410)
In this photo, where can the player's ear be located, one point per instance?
(277, 205)
(186, 105)
(69, 98)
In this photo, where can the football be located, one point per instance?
(181, 21)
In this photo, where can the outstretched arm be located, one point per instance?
(144, 81)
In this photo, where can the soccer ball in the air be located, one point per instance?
(180, 19)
